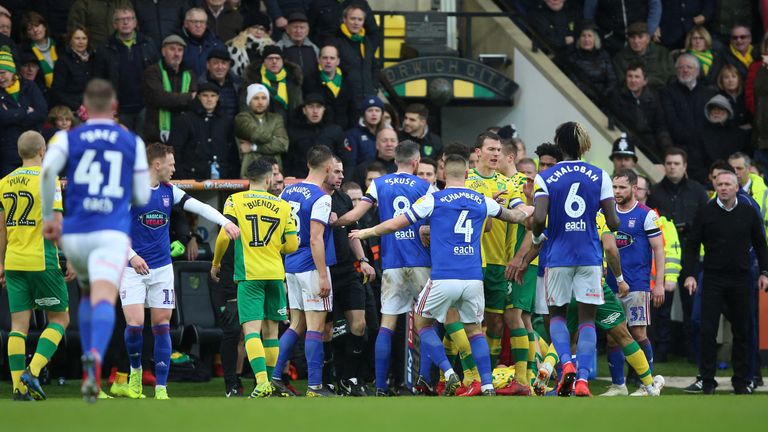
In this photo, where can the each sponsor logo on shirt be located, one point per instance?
(576, 226)
(463, 250)
(406, 234)
(154, 219)
(623, 239)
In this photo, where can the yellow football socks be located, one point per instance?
(46, 347)
(255, 351)
(16, 358)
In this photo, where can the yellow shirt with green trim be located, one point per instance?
(22, 211)
(494, 246)
(265, 221)
(516, 232)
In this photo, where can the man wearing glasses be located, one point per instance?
(740, 51)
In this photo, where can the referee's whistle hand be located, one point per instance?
(232, 230)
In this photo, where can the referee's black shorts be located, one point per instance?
(348, 290)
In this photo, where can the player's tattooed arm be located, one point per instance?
(516, 215)
(386, 227)
(614, 261)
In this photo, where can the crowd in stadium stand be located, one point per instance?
(226, 82)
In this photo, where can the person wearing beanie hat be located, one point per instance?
(719, 137)
(311, 127)
(21, 102)
(258, 131)
(247, 46)
(297, 47)
(357, 52)
(640, 49)
(361, 139)
(282, 79)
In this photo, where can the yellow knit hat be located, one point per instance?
(6, 62)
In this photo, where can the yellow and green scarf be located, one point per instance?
(360, 37)
(705, 59)
(14, 89)
(333, 84)
(46, 67)
(165, 115)
(268, 78)
(745, 59)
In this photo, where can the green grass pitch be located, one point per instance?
(197, 407)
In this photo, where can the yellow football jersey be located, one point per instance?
(264, 220)
(494, 246)
(23, 214)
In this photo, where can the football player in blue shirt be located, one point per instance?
(404, 259)
(567, 199)
(106, 167)
(457, 217)
(149, 277)
(309, 282)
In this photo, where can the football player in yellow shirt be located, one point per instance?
(268, 230)
(29, 267)
(485, 179)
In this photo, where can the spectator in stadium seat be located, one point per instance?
(357, 53)
(6, 43)
(219, 73)
(636, 105)
(310, 128)
(122, 60)
(679, 17)
(282, 78)
(731, 85)
(22, 108)
(257, 131)
(683, 101)
(39, 42)
(390, 117)
(698, 42)
(59, 118)
(677, 198)
(73, 70)
(361, 139)
(160, 19)
(325, 17)
(246, 47)
(202, 133)
(224, 21)
(329, 82)
(740, 52)
(96, 17)
(29, 69)
(555, 21)
(386, 141)
(720, 137)
(658, 66)
(296, 46)
(280, 10)
(592, 65)
(728, 15)
(756, 97)
(169, 88)
(614, 16)
(56, 13)
(200, 40)
(415, 128)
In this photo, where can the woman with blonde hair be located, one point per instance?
(246, 47)
(731, 85)
(698, 43)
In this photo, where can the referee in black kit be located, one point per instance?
(729, 228)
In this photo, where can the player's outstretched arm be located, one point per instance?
(353, 215)
(516, 215)
(386, 227)
(211, 214)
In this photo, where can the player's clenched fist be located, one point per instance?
(52, 230)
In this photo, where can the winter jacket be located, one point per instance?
(678, 202)
(658, 65)
(227, 25)
(294, 81)
(341, 109)
(430, 144)
(198, 136)
(594, 67)
(197, 50)
(266, 131)
(228, 93)
(645, 116)
(302, 135)
(362, 73)
(677, 19)
(361, 143)
(304, 55)
(553, 26)
(683, 110)
(15, 119)
(124, 67)
(70, 76)
(156, 98)
(756, 96)
(614, 16)
(325, 18)
(159, 19)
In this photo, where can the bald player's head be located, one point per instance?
(455, 167)
(30, 144)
